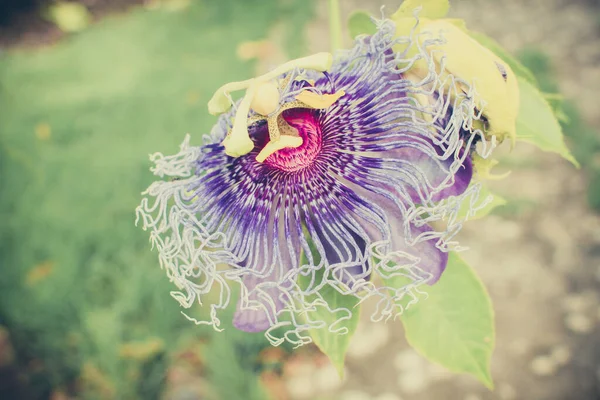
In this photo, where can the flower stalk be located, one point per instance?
(335, 25)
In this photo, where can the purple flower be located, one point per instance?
(351, 203)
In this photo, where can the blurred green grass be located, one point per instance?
(77, 122)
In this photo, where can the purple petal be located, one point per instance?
(347, 257)
(420, 243)
(433, 260)
(439, 181)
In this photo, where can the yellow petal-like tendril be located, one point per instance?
(495, 85)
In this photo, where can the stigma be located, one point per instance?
(263, 97)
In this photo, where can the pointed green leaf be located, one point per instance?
(519, 69)
(537, 124)
(484, 193)
(360, 23)
(454, 324)
(430, 9)
(335, 344)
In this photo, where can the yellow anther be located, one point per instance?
(219, 102)
(266, 99)
(319, 101)
(284, 142)
(238, 142)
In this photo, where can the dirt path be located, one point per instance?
(540, 258)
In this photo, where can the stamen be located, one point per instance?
(220, 101)
(238, 142)
(282, 136)
(319, 101)
(266, 99)
(273, 146)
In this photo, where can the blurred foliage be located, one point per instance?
(69, 17)
(9, 8)
(84, 300)
(584, 140)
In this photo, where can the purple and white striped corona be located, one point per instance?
(350, 179)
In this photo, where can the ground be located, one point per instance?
(539, 257)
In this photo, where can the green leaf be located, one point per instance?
(454, 324)
(457, 22)
(430, 9)
(537, 124)
(519, 69)
(484, 193)
(333, 344)
(360, 23)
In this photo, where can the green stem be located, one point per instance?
(335, 25)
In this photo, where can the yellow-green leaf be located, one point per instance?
(360, 23)
(519, 69)
(537, 124)
(480, 212)
(335, 344)
(333, 339)
(430, 9)
(454, 325)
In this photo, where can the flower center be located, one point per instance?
(291, 159)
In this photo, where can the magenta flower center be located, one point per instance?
(293, 159)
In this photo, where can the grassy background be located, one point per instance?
(85, 302)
